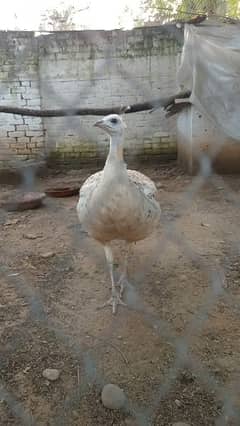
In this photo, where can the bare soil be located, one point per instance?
(174, 350)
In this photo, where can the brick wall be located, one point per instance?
(19, 86)
(91, 69)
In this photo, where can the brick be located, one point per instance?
(39, 144)
(33, 121)
(16, 134)
(33, 102)
(3, 133)
(31, 145)
(23, 151)
(35, 128)
(172, 139)
(161, 134)
(17, 90)
(31, 92)
(37, 139)
(34, 84)
(3, 75)
(147, 145)
(61, 56)
(23, 157)
(34, 133)
(21, 127)
(13, 145)
(25, 83)
(23, 140)
(18, 119)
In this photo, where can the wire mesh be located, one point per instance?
(172, 350)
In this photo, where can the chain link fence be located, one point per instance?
(173, 350)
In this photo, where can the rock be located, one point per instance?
(12, 222)
(180, 424)
(113, 397)
(226, 363)
(129, 421)
(26, 370)
(31, 236)
(51, 374)
(47, 255)
(206, 225)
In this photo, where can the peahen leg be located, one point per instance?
(123, 277)
(115, 299)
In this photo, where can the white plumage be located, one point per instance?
(116, 203)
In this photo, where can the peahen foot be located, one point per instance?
(122, 283)
(114, 301)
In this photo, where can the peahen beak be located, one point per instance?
(99, 123)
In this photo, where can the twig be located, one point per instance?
(78, 375)
(119, 350)
(102, 341)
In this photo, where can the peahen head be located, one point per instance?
(113, 124)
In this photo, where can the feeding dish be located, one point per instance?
(29, 200)
(65, 191)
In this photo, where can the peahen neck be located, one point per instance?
(115, 154)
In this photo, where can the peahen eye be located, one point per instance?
(113, 120)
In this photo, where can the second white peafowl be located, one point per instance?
(117, 204)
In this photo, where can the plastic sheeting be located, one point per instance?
(210, 68)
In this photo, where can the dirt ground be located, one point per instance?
(174, 350)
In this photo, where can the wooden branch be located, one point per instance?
(195, 20)
(145, 106)
(176, 108)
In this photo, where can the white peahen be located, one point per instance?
(117, 203)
